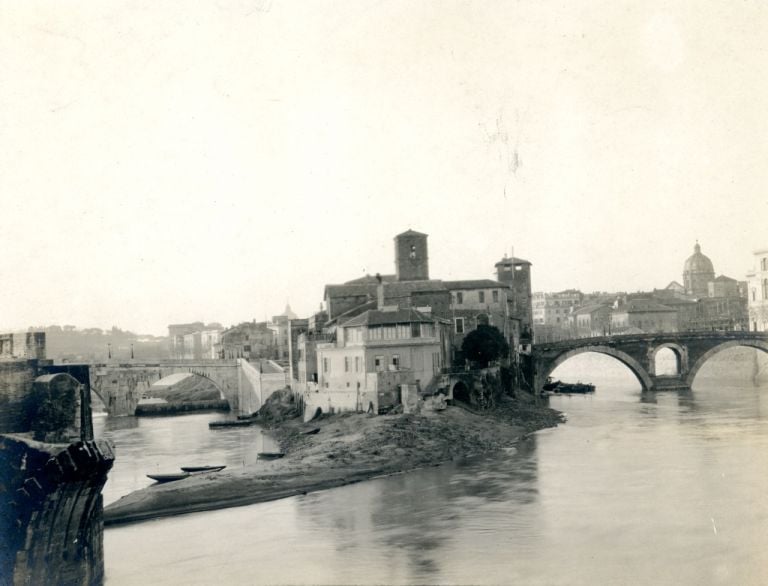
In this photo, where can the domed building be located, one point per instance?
(697, 273)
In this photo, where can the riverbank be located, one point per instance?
(347, 448)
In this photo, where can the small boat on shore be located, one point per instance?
(196, 469)
(168, 477)
(311, 431)
(270, 455)
(247, 417)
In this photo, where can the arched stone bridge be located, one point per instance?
(638, 353)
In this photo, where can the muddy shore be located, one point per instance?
(347, 448)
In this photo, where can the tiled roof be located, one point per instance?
(374, 317)
(350, 313)
(474, 284)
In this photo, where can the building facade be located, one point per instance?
(698, 271)
(757, 292)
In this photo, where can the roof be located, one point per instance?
(675, 285)
(645, 306)
(410, 232)
(590, 308)
(344, 290)
(723, 278)
(400, 287)
(474, 284)
(372, 280)
(513, 260)
(350, 313)
(698, 262)
(375, 317)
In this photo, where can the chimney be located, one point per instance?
(379, 293)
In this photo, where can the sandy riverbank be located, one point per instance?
(348, 448)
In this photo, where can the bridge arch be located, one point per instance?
(195, 375)
(757, 344)
(637, 369)
(681, 356)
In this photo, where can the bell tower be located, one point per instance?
(411, 260)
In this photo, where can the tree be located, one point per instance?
(484, 344)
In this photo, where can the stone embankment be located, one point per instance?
(346, 448)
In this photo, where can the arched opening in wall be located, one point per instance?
(183, 387)
(482, 319)
(667, 362)
(611, 376)
(461, 392)
(731, 365)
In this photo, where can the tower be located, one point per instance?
(516, 274)
(411, 259)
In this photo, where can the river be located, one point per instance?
(670, 488)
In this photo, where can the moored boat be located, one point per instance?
(556, 386)
(193, 469)
(231, 423)
(168, 477)
(270, 455)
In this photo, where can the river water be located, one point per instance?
(664, 489)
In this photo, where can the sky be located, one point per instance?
(182, 161)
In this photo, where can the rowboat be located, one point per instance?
(193, 469)
(168, 477)
(270, 455)
(231, 423)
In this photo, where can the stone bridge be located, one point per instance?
(638, 353)
(244, 385)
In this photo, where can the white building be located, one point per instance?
(757, 291)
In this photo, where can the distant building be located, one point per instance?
(515, 273)
(723, 286)
(697, 273)
(550, 314)
(645, 314)
(249, 340)
(757, 291)
(590, 320)
(176, 333)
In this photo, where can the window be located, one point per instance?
(459, 325)
(357, 364)
(765, 288)
(396, 360)
(415, 330)
(247, 348)
(378, 363)
(459, 298)
(764, 264)
(413, 251)
(481, 296)
(326, 365)
(346, 363)
(495, 295)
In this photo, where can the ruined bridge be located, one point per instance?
(638, 353)
(244, 385)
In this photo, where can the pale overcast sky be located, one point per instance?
(175, 161)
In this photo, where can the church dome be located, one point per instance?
(698, 263)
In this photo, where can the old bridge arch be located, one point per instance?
(757, 344)
(680, 354)
(191, 377)
(634, 366)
